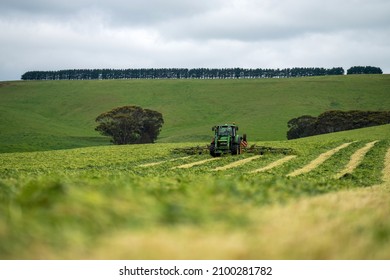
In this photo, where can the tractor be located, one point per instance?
(226, 140)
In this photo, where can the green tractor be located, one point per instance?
(226, 140)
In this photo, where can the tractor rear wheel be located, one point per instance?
(235, 149)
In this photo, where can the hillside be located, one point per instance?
(328, 199)
(45, 115)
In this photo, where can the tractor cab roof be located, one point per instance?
(227, 125)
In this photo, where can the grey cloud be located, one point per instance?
(282, 19)
(116, 12)
(46, 35)
(204, 19)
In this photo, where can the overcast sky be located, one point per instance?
(84, 34)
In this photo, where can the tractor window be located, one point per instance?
(225, 130)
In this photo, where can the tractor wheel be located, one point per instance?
(213, 154)
(212, 151)
(235, 150)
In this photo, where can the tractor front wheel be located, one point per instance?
(212, 150)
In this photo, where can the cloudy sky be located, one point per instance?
(79, 34)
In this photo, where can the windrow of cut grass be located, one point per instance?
(119, 201)
(318, 161)
(356, 159)
(274, 164)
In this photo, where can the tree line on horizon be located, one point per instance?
(195, 73)
(178, 73)
(364, 70)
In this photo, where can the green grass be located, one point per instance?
(46, 115)
(99, 202)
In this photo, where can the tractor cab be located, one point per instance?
(226, 130)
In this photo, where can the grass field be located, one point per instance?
(66, 193)
(133, 202)
(46, 115)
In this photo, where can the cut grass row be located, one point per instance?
(356, 158)
(128, 160)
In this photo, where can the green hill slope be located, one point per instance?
(48, 115)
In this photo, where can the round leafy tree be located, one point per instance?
(130, 125)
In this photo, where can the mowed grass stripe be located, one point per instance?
(356, 159)
(189, 165)
(386, 169)
(318, 161)
(273, 164)
(163, 161)
(236, 163)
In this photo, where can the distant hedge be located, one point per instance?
(194, 73)
(180, 73)
(333, 121)
(364, 70)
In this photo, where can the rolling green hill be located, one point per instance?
(327, 199)
(45, 115)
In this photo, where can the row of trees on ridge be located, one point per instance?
(196, 73)
(364, 70)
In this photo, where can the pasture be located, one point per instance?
(328, 199)
(66, 193)
(48, 115)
